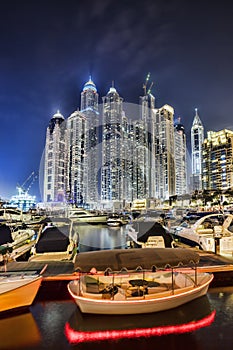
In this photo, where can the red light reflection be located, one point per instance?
(75, 337)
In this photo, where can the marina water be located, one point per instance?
(43, 325)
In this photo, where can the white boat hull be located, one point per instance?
(90, 219)
(138, 305)
(18, 291)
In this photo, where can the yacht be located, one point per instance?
(80, 215)
(209, 232)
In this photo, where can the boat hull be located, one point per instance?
(90, 220)
(162, 301)
(18, 293)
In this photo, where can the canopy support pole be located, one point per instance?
(172, 281)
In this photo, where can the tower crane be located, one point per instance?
(21, 188)
(147, 91)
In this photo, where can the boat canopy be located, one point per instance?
(133, 259)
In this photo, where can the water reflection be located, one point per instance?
(19, 331)
(185, 319)
(93, 237)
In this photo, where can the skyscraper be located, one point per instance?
(146, 141)
(112, 138)
(55, 160)
(197, 138)
(218, 160)
(76, 130)
(180, 158)
(89, 108)
(164, 167)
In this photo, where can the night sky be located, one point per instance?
(49, 49)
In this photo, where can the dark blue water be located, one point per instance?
(54, 321)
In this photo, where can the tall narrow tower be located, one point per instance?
(111, 169)
(197, 139)
(76, 189)
(55, 160)
(144, 143)
(89, 108)
(164, 153)
(180, 158)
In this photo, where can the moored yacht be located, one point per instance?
(207, 232)
(80, 215)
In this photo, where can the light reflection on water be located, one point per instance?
(43, 326)
(94, 237)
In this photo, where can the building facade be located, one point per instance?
(112, 142)
(218, 160)
(76, 130)
(164, 168)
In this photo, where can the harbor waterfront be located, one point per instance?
(53, 322)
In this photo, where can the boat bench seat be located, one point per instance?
(165, 293)
(152, 290)
(92, 295)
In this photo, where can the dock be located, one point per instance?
(221, 267)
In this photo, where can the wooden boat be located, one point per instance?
(137, 281)
(18, 290)
(185, 318)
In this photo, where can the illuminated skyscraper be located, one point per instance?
(164, 167)
(144, 142)
(76, 127)
(55, 160)
(180, 158)
(89, 108)
(197, 138)
(112, 139)
(218, 160)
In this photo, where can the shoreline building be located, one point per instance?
(218, 160)
(197, 139)
(55, 160)
(180, 158)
